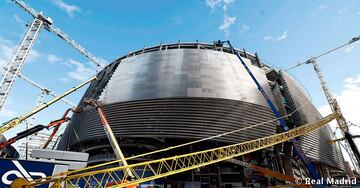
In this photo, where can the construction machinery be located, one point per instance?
(112, 139)
(14, 67)
(350, 143)
(16, 121)
(267, 172)
(310, 166)
(45, 90)
(57, 126)
(151, 170)
(341, 139)
(33, 130)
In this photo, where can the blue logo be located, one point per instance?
(12, 169)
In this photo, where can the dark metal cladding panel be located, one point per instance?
(190, 118)
(178, 93)
(315, 144)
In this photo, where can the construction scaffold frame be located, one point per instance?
(151, 170)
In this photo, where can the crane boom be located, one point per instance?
(151, 170)
(43, 88)
(48, 91)
(48, 24)
(16, 121)
(75, 45)
(27, 8)
(325, 53)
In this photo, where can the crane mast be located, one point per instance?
(14, 67)
(350, 145)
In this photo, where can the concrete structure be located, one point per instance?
(171, 94)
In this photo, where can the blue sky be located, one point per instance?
(282, 32)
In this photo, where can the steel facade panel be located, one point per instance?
(184, 93)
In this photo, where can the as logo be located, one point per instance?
(9, 176)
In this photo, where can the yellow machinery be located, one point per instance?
(341, 139)
(16, 121)
(151, 170)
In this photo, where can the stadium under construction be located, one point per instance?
(171, 94)
(178, 115)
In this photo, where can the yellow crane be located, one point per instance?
(16, 121)
(159, 168)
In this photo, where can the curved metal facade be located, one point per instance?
(186, 92)
(178, 93)
(315, 144)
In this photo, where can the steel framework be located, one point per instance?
(150, 170)
(13, 68)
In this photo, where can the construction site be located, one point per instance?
(176, 115)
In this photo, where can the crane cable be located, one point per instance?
(324, 53)
(190, 143)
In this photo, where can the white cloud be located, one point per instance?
(53, 58)
(69, 9)
(218, 3)
(6, 51)
(342, 10)
(34, 55)
(349, 101)
(6, 113)
(267, 37)
(18, 19)
(227, 22)
(213, 3)
(322, 7)
(102, 61)
(244, 28)
(81, 72)
(349, 49)
(283, 36)
(65, 80)
(226, 3)
(176, 19)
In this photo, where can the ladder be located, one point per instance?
(15, 65)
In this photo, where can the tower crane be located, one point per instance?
(14, 67)
(354, 151)
(45, 90)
